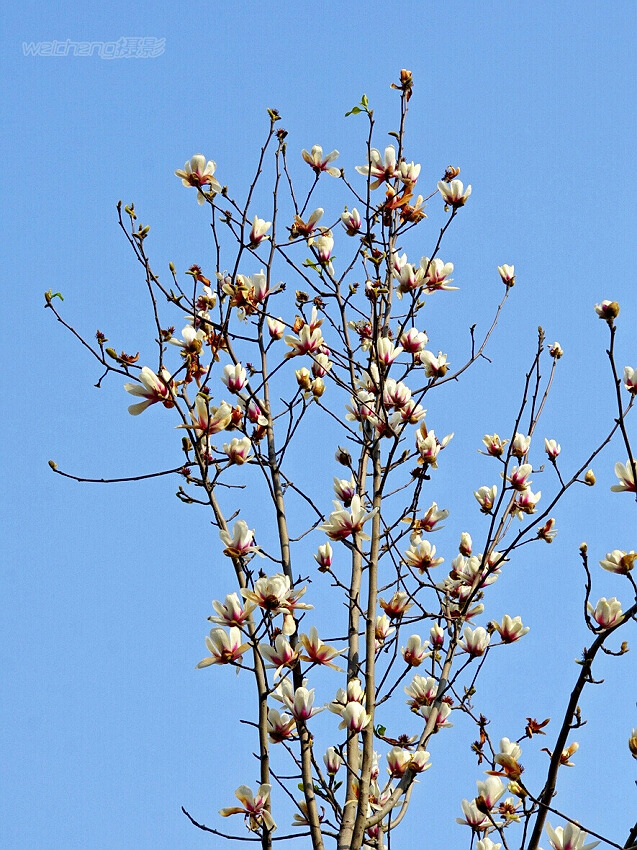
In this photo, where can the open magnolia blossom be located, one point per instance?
(240, 542)
(399, 761)
(422, 691)
(225, 647)
(489, 792)
(519, 478)
(301, 704)
(413, 341)
(238, 450)
(473, 817)
(354, 693)
(397, 606)
(626, 478)
(487, 844)
(619, 561)
(416, 651)
(486, 497)
(430, 521)
(382, 630)
(152, 389)
(304, 229)
(421, 554)
(192, 340)
(280, 655)
(475, 641)
(320, 163)
(199, 173)
(342, 523)
(379, 169)
(569, 837)
(308, 341)
(454, 194)
(281, 727)
(436, 275)
(494, 445)
(511, 629)
(275, 595)
(253, 806)
(355, 718)
(318, 652)
(440, 712)
(234, 612)
(206, 419)
(435, 367)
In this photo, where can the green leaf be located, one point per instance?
(354, 111)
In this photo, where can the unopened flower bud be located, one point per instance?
(552, 448)
(607, 310)
(276, 328)
(589, 478)
(466, 544)
(507, 273)
(318, 387)
(333, 760)
(324, 557)
(632, 743)
(303, 378)
(516, 788)
(556, 350)
(343, 456)
(437, 636)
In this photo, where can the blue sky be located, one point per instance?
(107, 728)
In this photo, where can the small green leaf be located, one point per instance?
(354, 111)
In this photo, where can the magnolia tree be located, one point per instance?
(257, 365)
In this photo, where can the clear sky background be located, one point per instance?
(107, 728)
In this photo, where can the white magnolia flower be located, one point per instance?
(379, 169)
(343, 523)
(570, 837)
(199, 173)
(454, 194)
(319, 163)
